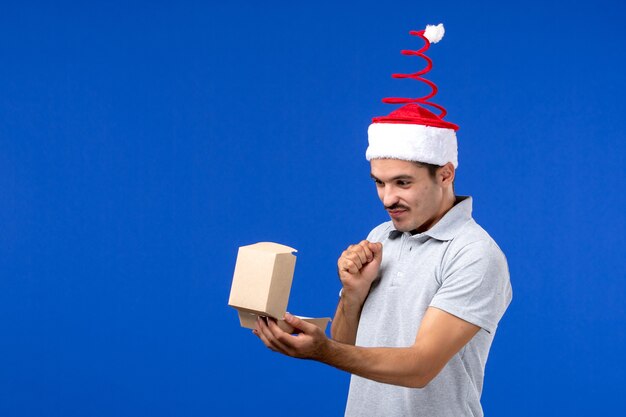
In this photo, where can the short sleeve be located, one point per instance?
(475, 285)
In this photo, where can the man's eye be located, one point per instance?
(403, 183)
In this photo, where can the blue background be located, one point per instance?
(142, 143)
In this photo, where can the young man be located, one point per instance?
(423, 294)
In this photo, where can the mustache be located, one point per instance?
(396, 207)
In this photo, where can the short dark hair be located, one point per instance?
(432, 169)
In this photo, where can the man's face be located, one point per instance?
(413, 199)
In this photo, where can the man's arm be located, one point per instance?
(440, 337)
(346, 322)
(357, 268)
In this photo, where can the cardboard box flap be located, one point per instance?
(272, 247)
(248, 320)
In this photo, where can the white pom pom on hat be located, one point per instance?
(434, 33)
(412, 132)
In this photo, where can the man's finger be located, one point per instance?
(266, 342)
(377, 250)
(368, 252)
(258, 331)
(350, 266)
(360, 252)
(282, 339)
(354, 257)
(269, 338)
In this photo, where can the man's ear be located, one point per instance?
(446, 174)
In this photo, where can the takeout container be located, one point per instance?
(262, 284)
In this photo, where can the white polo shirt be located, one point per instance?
(456, 267)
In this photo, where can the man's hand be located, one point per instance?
(310, 343)
(358, 268)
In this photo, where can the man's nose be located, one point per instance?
(389, 197)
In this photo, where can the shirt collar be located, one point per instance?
(450, 224)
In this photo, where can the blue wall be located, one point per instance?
(141, 144)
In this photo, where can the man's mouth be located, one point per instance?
(396, 211)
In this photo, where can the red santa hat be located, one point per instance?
(412, 132)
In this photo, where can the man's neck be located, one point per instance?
(447, 204)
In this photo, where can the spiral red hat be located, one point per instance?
(412, 132)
